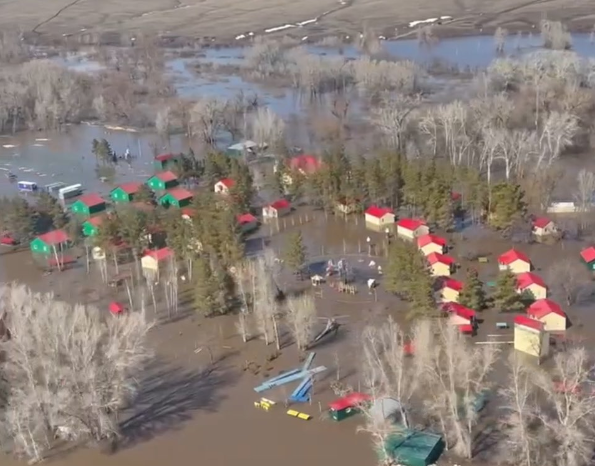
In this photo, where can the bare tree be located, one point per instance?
(567, 279)
(163, 123)
(584, 195)
(392, 116)
(207, 119)
(555, 36)
(557, 134)
(264, 297)
(268, 128)
(301, 317)
(500, 39)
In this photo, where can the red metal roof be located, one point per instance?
(246, 218)
(378, 212)
(526, 279)
(164, 157)
(189, 212)
(410, 224)
(280, 204)
(460, 310)
(91, 200)
(466, 328)
(54, 237)
(306, 163)
(115, 307)
(511, 256)
(350, 401)
(95, 221)
(528, 322)
(160, 254)
(455, 196)
(179, 194)
(435, 258)
(130, 188)
(166, 176)
(541, 222)
(543, 307)
(452, 284)
(588, 254)
(424, 240)
(227, 182)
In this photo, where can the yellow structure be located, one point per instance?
(451, 289)
(294, 413)
(223, 186)
(379, 217)
(428, 244)
(543, 226)
(530, 337)
(151, 262)
(548, 313)
(410, 228)
(531, 284)
(515, 261)
(441, 265)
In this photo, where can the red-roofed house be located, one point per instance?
(379, 217)
(530, 337)
(348, 405)
(165, 161)
(588, 256)
(528, 282)
(450, 291)
(543, 226)
(49, 242)
(515, 261)
(429, 243)
(441, 265)
(248, 222)
(176, 197)
(162, 181)
(88, 205)
(410, 228)
(223, 186)
(153, 260)
(277, 209)
(459, 314)
(125, 192)
(187, 213)
(305, 164)
(549, 313)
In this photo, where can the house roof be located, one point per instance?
(378, 212)
(460, 310)
(95, 221)
(411, 224)
(246, 218)
(465, 328)
(452, 284)
(91, 200)
(188, 212)
(512, 255)
(165, 176)
(455, 196)
(116, 307)
(179, 194)
(307, 163)
(541, 222)
(544, 307)
(588, 254)
(349, 401)
(160, 254)
(129, 188)
(54, 237)
(526, 279)
(424, 240)
(227, 182)
(164, 157)
(528, 322)
(435, 258)
(280, 204)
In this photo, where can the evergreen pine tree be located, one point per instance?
(205, 290)
(295, 252)
(506, 205)
(506, 298)
(472, 295)
(144, 195)
(421, 289)
(398, 269)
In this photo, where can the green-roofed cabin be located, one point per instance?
(177, 197)
(92, 225)
(125, 192)
(88, 205)
(162, 181)
(166, 162)
(413, 448)
(46, 243)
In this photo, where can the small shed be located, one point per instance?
(125, 192)
(549, 313)
(224, 186)
(165, 162)
(247, 222)
(450, 291)
(411, 228)
(530, 337)
(88, 205)
(429, 243)
(441, 265)
(91, 225)
(176, 197)
(379, 216)
(277, 209)
(152, 260)
(348, 405)
(242, 148)
(162, 181)
(588, 257)
(387, 409)
(412, 448)
(515, 261)
(460, 315)
(45, 244)
(543, 226)
(116, 308)
(531, 284)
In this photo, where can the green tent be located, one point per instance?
(413, 448)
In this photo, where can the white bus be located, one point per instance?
(70, 191)
(27, 186)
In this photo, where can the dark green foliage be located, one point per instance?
(18, 218)
(506, 205)
(144, 195)
(506, 298)
(295, 252)
(472, 295)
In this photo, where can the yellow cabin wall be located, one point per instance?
(516, 267)
(220, 188)
(404, 233)
(554, 322)
(548, 230)
(387, 219)
(432, 247)
(449, 295)
(440, 270)
(148, 263)
(538, 292)
(532, 342)
(458, 320)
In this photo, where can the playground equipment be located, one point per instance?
(264, 404)
(343, 287)
(341, 268)
(303, 416)
(291, 376)
(332, 326)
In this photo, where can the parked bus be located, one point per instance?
(70, 191)
(53, 187)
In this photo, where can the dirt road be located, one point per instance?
(226, 19)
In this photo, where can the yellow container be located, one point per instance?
(304, 416)
(293, 413)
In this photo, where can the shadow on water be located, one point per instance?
(168, 398)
